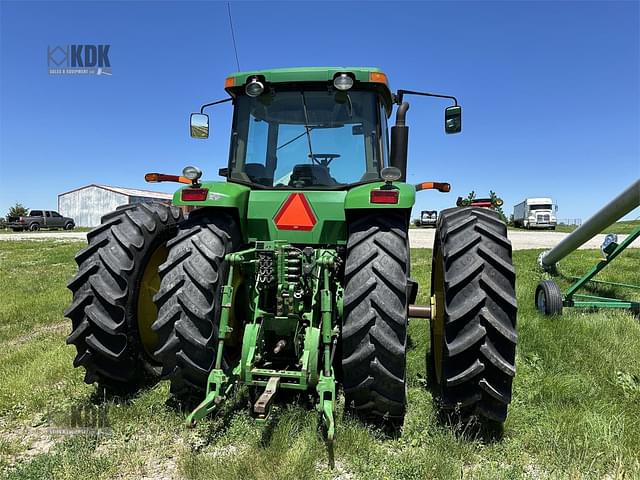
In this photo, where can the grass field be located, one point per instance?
(575, 410)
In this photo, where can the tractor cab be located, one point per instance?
(319, 139)
(324, 135)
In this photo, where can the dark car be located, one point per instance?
(38, 219)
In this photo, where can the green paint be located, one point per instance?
(314, 74)
(257, 210)
(359, 197)
(288, 316)
(327, 206)
(221, 194)
(303, 74)
(591, 301)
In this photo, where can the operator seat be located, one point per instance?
(311, 175)
(257, 173)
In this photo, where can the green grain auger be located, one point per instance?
(294, 273)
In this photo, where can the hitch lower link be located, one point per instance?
(220, 384)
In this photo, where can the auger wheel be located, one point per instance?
(473, 330)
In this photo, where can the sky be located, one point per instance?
(550, 91)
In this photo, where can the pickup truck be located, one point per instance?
(38, 219)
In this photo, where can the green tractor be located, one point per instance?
(294, 273)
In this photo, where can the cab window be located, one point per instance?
(308, 139)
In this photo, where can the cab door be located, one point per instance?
(57, 220)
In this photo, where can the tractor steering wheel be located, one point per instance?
(323, 159)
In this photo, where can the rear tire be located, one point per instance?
(374, 330)
(106, 290)
(473, 332)
(189, 301)
(34, 227)
(548, 298)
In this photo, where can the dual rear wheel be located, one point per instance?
(473, 333)
(471, 361)
(145, 298)
(146, 304)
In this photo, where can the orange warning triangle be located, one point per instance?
(295, 214)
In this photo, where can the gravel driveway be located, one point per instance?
(53, 235)
(520, 239)
(419, 238)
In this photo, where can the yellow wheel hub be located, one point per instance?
(437, 314)
(147, 311)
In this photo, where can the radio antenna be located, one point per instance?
(233, 36)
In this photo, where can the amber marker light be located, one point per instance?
(378, 77)
(161, 177)
(152, 177)
(440, 186)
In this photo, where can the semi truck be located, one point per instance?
(428, 218)
(536, 212)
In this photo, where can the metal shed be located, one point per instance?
(86, 205)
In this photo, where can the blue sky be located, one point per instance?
(550, 90)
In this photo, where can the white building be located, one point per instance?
(86, 205)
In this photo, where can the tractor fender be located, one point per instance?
(226, 196)
(359, 198)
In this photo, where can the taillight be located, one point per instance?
(384, 196)
(194, 194)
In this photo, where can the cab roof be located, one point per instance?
(315, 74)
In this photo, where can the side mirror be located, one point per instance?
(199, 125)
(453, 119)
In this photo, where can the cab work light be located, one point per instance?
(384, 196)
(342, 81)
(194, 194)
(254, 88)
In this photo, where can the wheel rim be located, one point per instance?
(437, 321)
(147, 312)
